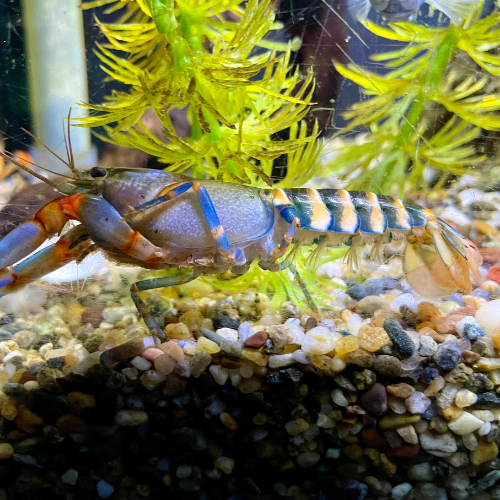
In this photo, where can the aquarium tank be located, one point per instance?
(249, 249)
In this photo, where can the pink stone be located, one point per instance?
(152, 353)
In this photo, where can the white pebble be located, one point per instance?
(14, 357)
(45, 350)
(319, 341)
(464, 424)
(484, 429)
(465, 398)
(228, 333)
(339, 398)
(281, 360)
(337, 364)
(408, 434)
(397, 405)
(354, 324)
(10, 369)
(131, 373)
(141, 364)
(404, 299)
(301, 357)
(235, 377)
(484, 415)
(219, 374)
(488, 317)
(418, 402)
(461, 324)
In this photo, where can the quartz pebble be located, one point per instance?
(465, 398)
(465, 424)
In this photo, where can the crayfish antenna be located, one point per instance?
(6, 156)
(70, 163)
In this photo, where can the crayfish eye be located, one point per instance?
(97, 172)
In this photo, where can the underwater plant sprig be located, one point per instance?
(424, 79)
(239, 88)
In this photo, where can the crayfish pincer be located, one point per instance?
(160, 220)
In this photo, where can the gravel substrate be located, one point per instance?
(382, 395)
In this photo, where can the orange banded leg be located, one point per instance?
(28, 236)
(71, 246)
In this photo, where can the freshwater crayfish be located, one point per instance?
(158, 220)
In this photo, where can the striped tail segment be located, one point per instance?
(437, 259)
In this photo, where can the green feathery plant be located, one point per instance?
(211, 57)
(446, 72)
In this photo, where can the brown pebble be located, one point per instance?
(71, 423)
(431, 333)
(257, 340)
(310, 324)
(373, 438)
(92, 315)
(404, 451)
(174, 384)
(401, 390)
(27, 421)
(470, 356)
(26, 377)
(173, 349)
(428, 312)
(447, 324)
(374, 401)
(122, 352)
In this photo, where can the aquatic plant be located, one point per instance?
(211, 57)
(439, 96)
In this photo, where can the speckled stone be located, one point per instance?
(387, 366)
(448, 355)
(403, 343)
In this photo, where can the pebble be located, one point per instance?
(308, 459)
(199, 362)
(401, 491)
(6, 451)
(465, 424)
(403, 343)
(440, 445)
(225, 464)
(465, 398)
(488, 317)
(448, 355)
(131, 418)
(484, 452)
(418, 402)
(257, 340)
(141, 364)
(371, 338)
(427, 346)
(372, 303)
(374, 401)
(387, 366)
(104, 489)
(70, 477)
(319, 341)
(393, 421)
(484, 483)
(355, 490)
(421, 472)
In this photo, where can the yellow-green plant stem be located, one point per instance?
(441, 60)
